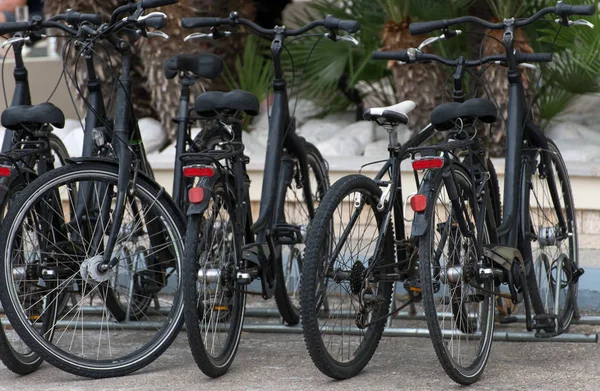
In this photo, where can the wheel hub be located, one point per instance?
(90, 271)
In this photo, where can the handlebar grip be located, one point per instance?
(394, 56)
(157, 3)
(73, 17)
(156, 22)
(564, 9)
(347, 25)
(14, 27)
(418, 28)
(533, 57)
(189, 23)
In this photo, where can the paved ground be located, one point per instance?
(280, 362)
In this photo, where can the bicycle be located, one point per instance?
(330, 274)
(102, 229)
(32, 149)
(225, 248)
(467, 251)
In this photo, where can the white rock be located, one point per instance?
(316, 130)
(153, 134)
(73, 142)
(347, 146)
(253, 147)
(578, 150)
(362, 130)
(404, 133)
(573, 131)
(71, 125)
(377, 148)
(305, 110)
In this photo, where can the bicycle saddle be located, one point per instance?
(396, 114)
(45, 113)
(204, 65)
(444, 116)
(213, 103)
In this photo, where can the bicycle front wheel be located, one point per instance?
(459, 309)
(51, 246)
(344, 305)
(553, 249)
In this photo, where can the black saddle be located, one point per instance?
(204, 65)
(15, 117)
(444, 116)
(212, 103)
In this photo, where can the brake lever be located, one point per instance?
(203, 35)
(151, 34)
(150, 15)
(12, 40)
(338, 38)
(430, 40)
(528, 65)
(578, 22)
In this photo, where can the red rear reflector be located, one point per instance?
(5, 171)
(428, 163)
(418, 203)
(195, 171)
(196, 195)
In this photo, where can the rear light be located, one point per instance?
(196, 195)
(418, 203)
(198, 171)
(428, 163)
(5, 171)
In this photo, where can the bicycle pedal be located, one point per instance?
(576, 274)
(545, 325)
(256, 253)
(287, 234)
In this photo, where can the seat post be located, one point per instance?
(392, 134)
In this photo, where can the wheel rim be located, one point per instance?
(87, 334)
(339, 281)
(463, 314)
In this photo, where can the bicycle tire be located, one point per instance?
(59, 150)
(432, 275)
(214, 307)
(542, 277)
(160, 330)
(287, 288)
(315, 304)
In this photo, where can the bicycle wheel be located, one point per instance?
(296, 212)
(14, 353)
(458, 308)
(343, 307)
(553, 252)
(214, 302)
(59, 151)
(52, 245)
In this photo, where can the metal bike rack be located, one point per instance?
(510, 336)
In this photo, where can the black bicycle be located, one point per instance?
(102, 229)
(465, 249)
(452, 260)
(225, 251)
(29, 149)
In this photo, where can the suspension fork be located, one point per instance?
(120, 139)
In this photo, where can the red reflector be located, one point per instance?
(4, 171)
(418, 203)
(196, 195)
(194, 171)
(428, 163)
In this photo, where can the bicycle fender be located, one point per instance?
(419, 225)
(198, 209)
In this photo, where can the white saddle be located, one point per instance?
(396, 114)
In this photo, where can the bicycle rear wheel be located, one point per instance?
(214, 301)
(344, 309)
(554, 252)
(51, 246)
(296, 213)
(458, 308)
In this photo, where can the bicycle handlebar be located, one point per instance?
(416, 56)
(157, 3)
(330, 23)
(75, 18)
(563, 10)
(14, 27)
